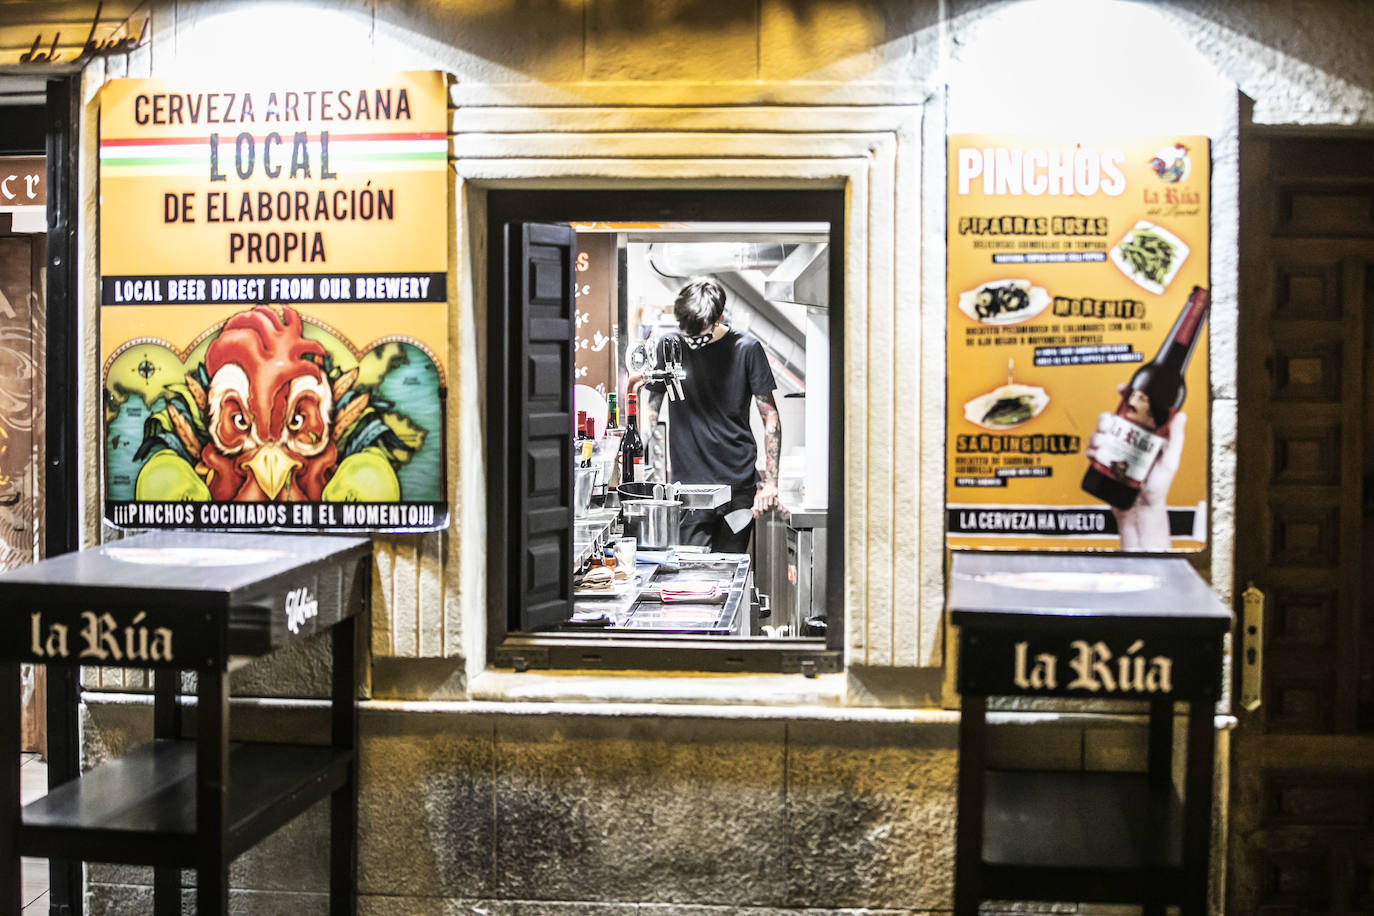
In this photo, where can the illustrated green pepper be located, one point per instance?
(1148, 255)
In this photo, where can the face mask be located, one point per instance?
(699, 341)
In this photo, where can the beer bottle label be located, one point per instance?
(1126, 451)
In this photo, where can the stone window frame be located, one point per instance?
(893, 584)
(513, 643)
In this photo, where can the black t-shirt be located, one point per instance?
(709, 436)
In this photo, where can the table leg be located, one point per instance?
(212, 792)
(1197, 826)
(166, 708)
(1160, 766)
(343, 804)
(166, 891)
(65, 877)
(166, 724)
(10, 881)
(968, 849)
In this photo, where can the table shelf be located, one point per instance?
(1097, 820)
(140, 809)
(176, 602)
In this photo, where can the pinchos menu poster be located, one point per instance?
(1077, 343)
(273, 312)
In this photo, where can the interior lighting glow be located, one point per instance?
(1081, 66)
(270, 43)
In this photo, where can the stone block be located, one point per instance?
(425, 809)
(1035, 747)
(483, 42)
(671, 40)
(121, 900)
(870, 815)
(112, 729)
(434, 906)
(1117, 748)
(654, 909)
(634, 809)
(300, 669)
(843, 41)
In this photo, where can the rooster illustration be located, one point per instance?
(1171, 165)
(268, 417)
(270, 411)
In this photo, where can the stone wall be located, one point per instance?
(599, 805)
(491, 812)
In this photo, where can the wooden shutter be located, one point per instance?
(539, 300)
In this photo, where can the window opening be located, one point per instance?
(721, 335)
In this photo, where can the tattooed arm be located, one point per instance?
(767, 495)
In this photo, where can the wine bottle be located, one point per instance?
(631, 447)
(1138, 431)
(588, 444)
(581, 426)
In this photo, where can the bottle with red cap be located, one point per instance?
(631, 446)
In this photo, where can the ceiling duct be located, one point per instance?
(681, 260)
(803, 277)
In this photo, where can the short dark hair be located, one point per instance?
(699, 305)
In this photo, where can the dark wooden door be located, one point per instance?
(540, 306)
(1302, 792)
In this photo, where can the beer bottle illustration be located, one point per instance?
(1134, 436)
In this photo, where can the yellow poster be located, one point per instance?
(274, 319)
(1078, 301)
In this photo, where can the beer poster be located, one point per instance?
(273, 303)
(1078, 301)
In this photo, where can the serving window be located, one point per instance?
(717, 314)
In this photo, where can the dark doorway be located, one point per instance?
(39, 280)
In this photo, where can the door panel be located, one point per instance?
(1302, 799)
(540, 265)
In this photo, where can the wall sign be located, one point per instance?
(274, 318)
(596, 267)
(1077, 343)
(104, 38)
(23, 181)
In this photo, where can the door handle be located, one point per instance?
(1252, 648)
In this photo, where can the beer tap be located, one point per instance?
(671, 372)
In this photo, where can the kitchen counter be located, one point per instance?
(800, 514)
(636, 606)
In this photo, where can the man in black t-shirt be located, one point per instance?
(710, 438)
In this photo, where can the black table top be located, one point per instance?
(998, 588)
(160, 566)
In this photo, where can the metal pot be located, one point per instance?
(653, 523)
